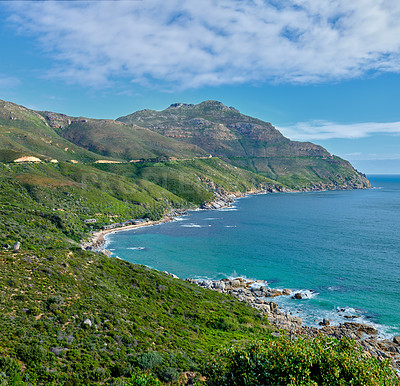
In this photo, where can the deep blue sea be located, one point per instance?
(340, 248)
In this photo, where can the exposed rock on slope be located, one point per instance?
(249, 143)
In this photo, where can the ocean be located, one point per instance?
(340, 249)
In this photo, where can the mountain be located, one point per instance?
(25, 132)
(180, 132)
(47, 135)
(248, 143)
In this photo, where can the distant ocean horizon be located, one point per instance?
(341, 249)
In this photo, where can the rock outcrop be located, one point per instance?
(258, 295)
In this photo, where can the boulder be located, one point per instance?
(369, 330)
(87, 323)
(273, 306)
(396, 340)
(325, 322)
(235, 283)
(297, 295)
(286, 291)
(273, 292)
(219, 285)
(16, 246)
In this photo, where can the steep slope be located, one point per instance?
(46, 135)
(249, 143)
(118, 140)
(24, 132)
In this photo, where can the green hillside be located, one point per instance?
(73, 317)
(115, 139)
(24, 132)
(248, 143)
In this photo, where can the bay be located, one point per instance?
(341, 249)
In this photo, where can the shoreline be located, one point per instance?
(221, 200)
(258, 295)
(98, 240)
(364, 334)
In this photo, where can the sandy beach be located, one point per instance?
(98, 238)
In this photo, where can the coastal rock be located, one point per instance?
(325, 322)
(273, 292)
(17, 246)
(235, 283)
(364, 335)
(171, 275)
(273, 306)
(396, 340)
(297, 295)
(219, 285)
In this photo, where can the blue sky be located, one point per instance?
(324, 71)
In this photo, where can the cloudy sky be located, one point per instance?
(326, 71)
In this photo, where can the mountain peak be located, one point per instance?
(178, 105)
(206, 105)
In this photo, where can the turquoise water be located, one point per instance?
(340, 248)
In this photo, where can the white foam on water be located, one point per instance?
(306, 293)
(230, 226)
(191, 225)
(230, 209)
(180, 219)
(136, 248)
(312, 315)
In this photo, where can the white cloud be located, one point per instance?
(321, 130)
(191, 43)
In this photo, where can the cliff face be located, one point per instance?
(249, 143)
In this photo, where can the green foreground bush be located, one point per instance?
(321, 361)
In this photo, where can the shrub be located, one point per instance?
(149, 360)
(222, 323)
(144, 379)
(9, 366)
(321, 361)
(32, 354)
(168, 375)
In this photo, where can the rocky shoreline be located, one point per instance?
(224, 199)
(259, 295)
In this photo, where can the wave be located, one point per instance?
(136, 248)
(306, 293)
(191, 225)
(230, 226)
(180, 219)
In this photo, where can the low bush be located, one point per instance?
(320, 361)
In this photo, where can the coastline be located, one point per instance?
(221, 200)
(365, 335)
(258, 295)
(98, 241)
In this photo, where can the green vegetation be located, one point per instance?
(321, 361)
(249, 143)
(73, 317)
(47, 204)
(140, 319)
